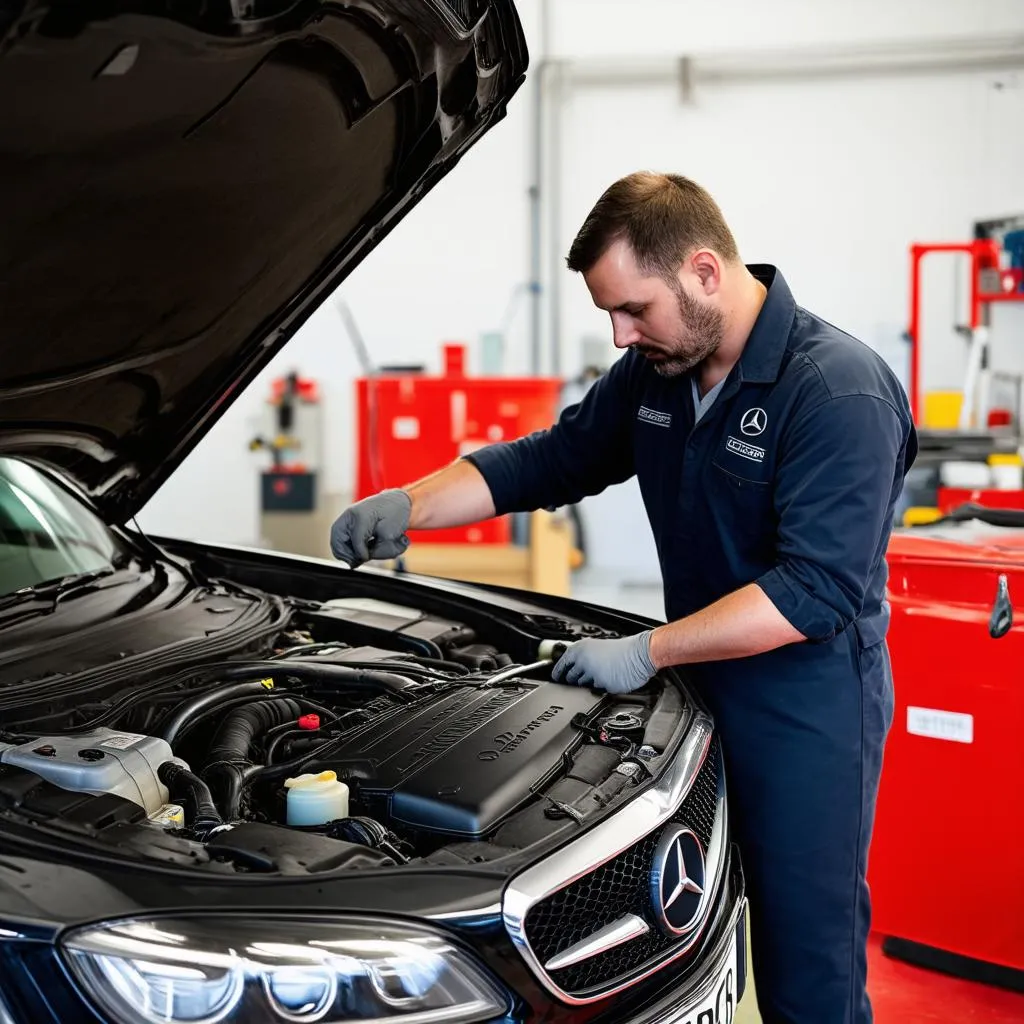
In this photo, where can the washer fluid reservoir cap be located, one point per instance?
(316, 799)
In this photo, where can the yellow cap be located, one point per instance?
(306, 780)
(1005, 459)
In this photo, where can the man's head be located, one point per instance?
(657, 253)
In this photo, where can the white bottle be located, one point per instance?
(316, 799)
(1007, 472)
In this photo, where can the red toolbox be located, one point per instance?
(949, 498)
(412, 424)
(947, 862)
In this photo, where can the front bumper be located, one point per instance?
(679, 995)
(712, 994)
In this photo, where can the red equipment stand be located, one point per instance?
(945, 870)
(411, 424)
(985, 255)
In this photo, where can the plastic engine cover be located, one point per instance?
(102, 761)
(460, 764)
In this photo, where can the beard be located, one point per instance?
(700, 333)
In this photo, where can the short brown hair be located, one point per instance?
(662, 217)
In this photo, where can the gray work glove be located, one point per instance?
(372, 528)
(618, 666)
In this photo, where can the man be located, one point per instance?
(770, 448)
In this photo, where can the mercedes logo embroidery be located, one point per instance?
(754, 421)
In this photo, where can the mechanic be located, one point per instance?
(770, 449)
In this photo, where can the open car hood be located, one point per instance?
(182, 184)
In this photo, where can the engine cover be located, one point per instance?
(461, 763)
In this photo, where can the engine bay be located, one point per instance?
(360, 732)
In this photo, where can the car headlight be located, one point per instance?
(241, 969)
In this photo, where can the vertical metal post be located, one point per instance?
(536, 192)
(555, 270)
(916, 252)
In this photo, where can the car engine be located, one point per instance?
(364, 734)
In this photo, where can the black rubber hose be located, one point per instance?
(372, 681)
(239, 730)
(453, 667)
(207, 700)
(289, 734)
(228, 762)
(255, 672)
(280, 772)
(187, 788)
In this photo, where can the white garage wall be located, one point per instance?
(830, 178)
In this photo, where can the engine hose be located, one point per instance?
(191, 708)
(281, 737)
(187, 788)
(228, 762)
(452, 667)
(390, 683)
(280, 772)
(259, 676)
(237, 733)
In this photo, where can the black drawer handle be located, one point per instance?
(1001, 619)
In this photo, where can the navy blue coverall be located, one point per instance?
(788, 480)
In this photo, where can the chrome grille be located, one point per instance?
(620, 886)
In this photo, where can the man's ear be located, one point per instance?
(705, 266)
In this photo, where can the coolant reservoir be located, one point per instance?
(316, 799)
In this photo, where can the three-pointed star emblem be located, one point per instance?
(678, 880)
(754, 422)
(684, 883)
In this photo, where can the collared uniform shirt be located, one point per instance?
(788, 480)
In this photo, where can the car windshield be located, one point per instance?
(45, 533)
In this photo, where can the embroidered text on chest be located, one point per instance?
(659, 419)
(745, 450)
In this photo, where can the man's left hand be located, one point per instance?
(618, 666)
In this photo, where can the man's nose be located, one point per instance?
(624, 332)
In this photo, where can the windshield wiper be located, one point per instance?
(55, 591)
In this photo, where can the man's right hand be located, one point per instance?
(372, 528)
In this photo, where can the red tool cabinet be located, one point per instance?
(411, 424)
(947, 862)
(950, 498)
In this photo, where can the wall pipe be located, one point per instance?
(815, 62)
(536, 192)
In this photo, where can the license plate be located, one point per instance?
(719, 1007)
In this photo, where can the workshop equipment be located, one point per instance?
(290, 516)
(996, 275)
(544, 564)
(410, 424)
(945, 865)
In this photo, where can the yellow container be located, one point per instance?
(942, 409)
(917, 515)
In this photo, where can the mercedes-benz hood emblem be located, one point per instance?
(678, 880)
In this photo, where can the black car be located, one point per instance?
(237, 786)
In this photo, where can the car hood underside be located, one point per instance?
(179, 192)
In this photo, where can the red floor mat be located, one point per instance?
(904, 994)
